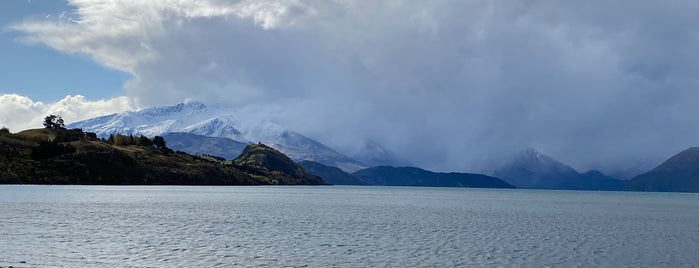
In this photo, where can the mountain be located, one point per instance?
(216, 121)
(532, 169)
(373, 154)
(262, 160)
(198, 144)
(680, 173)
(299, 147)
(331, 175)
(411, 176)
(37, 157)
(596, 180)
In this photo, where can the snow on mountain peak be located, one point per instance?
(187, 108)
(217, 127)
(215, 121)
(531, 154)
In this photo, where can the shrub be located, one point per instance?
(47, 150)
(32, 137)
(5, 132)
(124, 140)
(65, 135)
(144, 141)
(121, 140)
(91, 136)
(159, 142)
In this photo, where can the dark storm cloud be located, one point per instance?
(449, 85)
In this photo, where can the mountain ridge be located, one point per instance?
(332, 175)
(199, 145)
(412, 176)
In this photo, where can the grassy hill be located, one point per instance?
(262, 160)
(47, 156)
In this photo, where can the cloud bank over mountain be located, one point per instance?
(446, 84)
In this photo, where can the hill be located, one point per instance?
(411, 176)
(29, 157)
(264, 161)
(680, 173)
(332, 175)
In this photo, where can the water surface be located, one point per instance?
(163, 226)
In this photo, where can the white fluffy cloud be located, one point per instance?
(19, 112)
(444, 83)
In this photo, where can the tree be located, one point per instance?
(54, 122)
(159, 142)
(49, 121)
(119, 140)
(91, 136)
(5, 132)
(144, 141)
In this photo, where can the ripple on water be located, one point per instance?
(343, 227)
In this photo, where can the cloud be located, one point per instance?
(447, 84)
(19, 112)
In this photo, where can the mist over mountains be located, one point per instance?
(223, 131)
(216, 130)
(532, 169)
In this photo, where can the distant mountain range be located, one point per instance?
(332, 175)
(532, 169)
(373, 154)
(411, 176)
(402, 176)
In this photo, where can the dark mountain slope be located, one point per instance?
(680, 173)
(411, 176)
(534, 170)
(198, 144)
(332, 175)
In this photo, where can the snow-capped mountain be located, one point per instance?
(199, 119)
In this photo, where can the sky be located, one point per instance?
(448, 85)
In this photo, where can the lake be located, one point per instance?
(342, 226)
